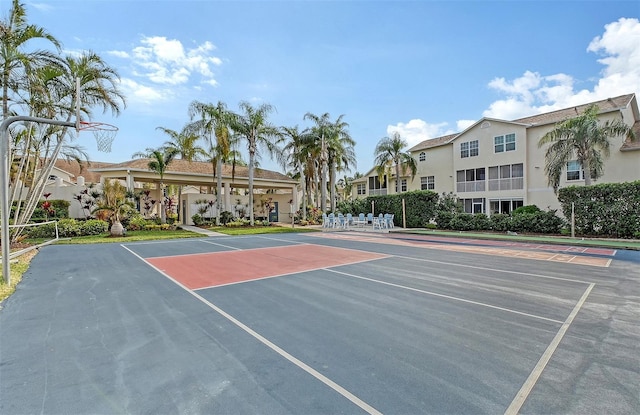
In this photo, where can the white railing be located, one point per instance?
(477, 186)
(506, 184)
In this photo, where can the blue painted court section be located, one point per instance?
(96, 329)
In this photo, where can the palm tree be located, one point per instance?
(184, 143)
(252, 125)
(159, 160)
(296, 157)
(213, 126)
(341, 154)
(16, 64)
(52, 94)
(388, 153)
(321, 131)
(583, 139)
(113, 201)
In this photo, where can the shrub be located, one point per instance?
(137, 223)
(47, 230)
(93, 227)
(197, 219)
(225, 217)
(500, 222)
(462, 222)
(526, 209)
(68, 228)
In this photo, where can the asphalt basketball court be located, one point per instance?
(340, 322)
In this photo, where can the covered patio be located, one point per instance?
(275, 194)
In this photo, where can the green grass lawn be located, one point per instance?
(246, 230)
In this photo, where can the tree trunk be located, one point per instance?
(117, 229)
(586, 167)
(251, 161)
(219, 190)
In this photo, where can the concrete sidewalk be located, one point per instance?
(201, 231)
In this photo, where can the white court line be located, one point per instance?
(492, 269)
(449, 297)
(319, 376)
(206, 241)
(166, 241)
(282, 240)
(288, 273)
(523, 394)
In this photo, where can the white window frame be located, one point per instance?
(502, 143)
(574, 166)
(469, 149)
(428, 183)
(422, 156)
(361, 189)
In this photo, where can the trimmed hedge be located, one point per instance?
(608, 209)
(419, 207)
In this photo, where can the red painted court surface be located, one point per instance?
(221, 268)
(495, 250)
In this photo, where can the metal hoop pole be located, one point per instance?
(4, 182)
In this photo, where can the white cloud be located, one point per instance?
(418, 130)
(167, 62)
(464, 124)
(533, 93)
(141, 94)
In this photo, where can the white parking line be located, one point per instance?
(299, 363)
(528, 385)
(449, 297)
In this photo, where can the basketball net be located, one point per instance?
(102, 132)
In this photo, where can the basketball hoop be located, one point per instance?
(103, 133)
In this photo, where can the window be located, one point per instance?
(504, 143)
(403, 185)
(470, 180)
(361, 189)
(376, 187)
(504, 205)
(469, 149)
(475, 205)
(506, 177)
(422, 156)
(574, 170)
(428, 183)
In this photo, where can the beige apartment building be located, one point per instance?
(495, 166)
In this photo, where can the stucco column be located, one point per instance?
(129, 181)
(227, 197)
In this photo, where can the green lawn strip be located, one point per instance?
(18, 267)
(132, 236)
(256, 230)
(560, 240)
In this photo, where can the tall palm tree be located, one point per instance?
(15, 63)
(321, 131)
(212, 124)
(159, 160)
(52, 93)
(341, 154)
(252, 125)
(296, 156)
(582, 138)
(184, 143)
(389, 153)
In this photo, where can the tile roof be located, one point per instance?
(605, 105)
(433, 142)
(629, 145)
(197, 167)
(84, 169)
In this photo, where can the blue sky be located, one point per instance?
(423, 68)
